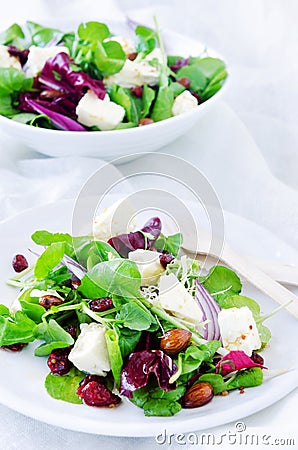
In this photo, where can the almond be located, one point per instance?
(198, 395)
(47, 301)
(174, 341)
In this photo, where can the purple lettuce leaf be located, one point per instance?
(125, 243)
(60, 103)
(59, 121)
(58, 74)
(140, 365)
(235, 360)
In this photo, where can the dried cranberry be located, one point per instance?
(145, 121)
(257, 358)
(97, 394)
(184, 81)
(101, 304)
(87, 380)
(19, 263)
(72, 331)
(165, 259)
(196, 96)
(132, 56)
(14, 347)
(137, 91)
(58, 361)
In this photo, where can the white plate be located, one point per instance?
(22, 375)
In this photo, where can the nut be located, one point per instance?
(145, 121)
(198, 395)
(47, 301)
(174, 341)
(132, 56)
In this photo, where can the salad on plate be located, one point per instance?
(129, 317)
(92, 80)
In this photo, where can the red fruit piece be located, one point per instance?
(101, 304)
(137, 91)
(14, 347)
(145, 121)
(165, 259)
(58, 361)
(19, 263)
(94, 393)
(184, 81)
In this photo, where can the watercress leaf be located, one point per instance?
(221, 282)
(93, 31)
(162, 108)
(41, 36)
(46, 238)
(109, 57)
(90, 289)
(10, 80)
(131, 104)
(247, 378)
(49, 259)
(216, 380)
(105, 250)
(264, 333)
(146, 39)
(170, 244)
(65, 387)
(163, 408)
(198, 81)
(115, 355)
(135, 317)
(148, 97)
(194, 356)
(128, 340)
(157, 402)
(12, 35)
(16, 328)
(238, 301)
(32, 310)
(4, 311)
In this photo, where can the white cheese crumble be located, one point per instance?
(38, 56)
(184, 102)
(149, 266)
(134, 73)
(174, 298)
(104, 114)
(90, 353)
(238, 330)
(8, 61)
(108, 224)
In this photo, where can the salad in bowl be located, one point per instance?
(130, 318)
(92, 80)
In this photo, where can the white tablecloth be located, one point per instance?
(246, 147)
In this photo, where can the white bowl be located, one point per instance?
(112, 144)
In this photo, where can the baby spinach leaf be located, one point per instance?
(12, 35)
(11, 80)
(221, 282)
(170, 244)
(53, 335)
(131, 103)
(49, 259)
(162, 108)
(32, 310)
(109, 57)
(93, 31)
(216, 380)
(244, 378)
(4, 311)
(146, 39)
(6, 108)
(238, 301)
(115, 355)
(177, 88)
(209, 67)
(198, 80)
(15, 328)
(65, 387)
(194, 356)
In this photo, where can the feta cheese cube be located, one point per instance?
(104, 114)
(238, 330)
(175, 298)
(38, 56)
(125, 43)
(7, 61)
(134, 73)
(148, 264)
(184, 102)
(155, 54)
(108, 224)
(90, 352)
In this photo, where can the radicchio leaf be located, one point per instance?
(235, 360)
(143, 239)
(140, 365)
(58, 74)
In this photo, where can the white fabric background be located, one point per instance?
(246, 146)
